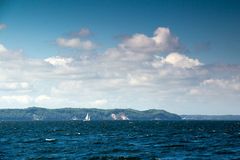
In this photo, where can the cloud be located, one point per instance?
(177, 60)
(226, 84)
(76, 43)
(3, 26)
(42, 98)
(16, 99)
(161, 41)
(139, 42)
(14, 85)
(217, 88)
(84, 32)
(2, 48)
(139, 80)
(8, 54)
(58, 61)
(99, 102)
(140, 47)
(195, 91)
(69, 86)
(143, 71)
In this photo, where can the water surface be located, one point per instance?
(120, 140)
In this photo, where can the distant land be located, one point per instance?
(211, 117)
(64, 114)
(80, 114)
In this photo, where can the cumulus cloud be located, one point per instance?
(58, 61)
(139, 42)
(3, 26)
(133, 73)
(182, 61)
(75, 43)
(161, 41)
(177, 60)
(122, 68)
(140, 47)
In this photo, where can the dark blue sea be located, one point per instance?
(165, 140)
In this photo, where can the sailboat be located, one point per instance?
(87, 118)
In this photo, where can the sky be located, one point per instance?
(178, 55)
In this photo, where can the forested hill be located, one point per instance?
(35, 113)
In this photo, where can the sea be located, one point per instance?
(120, 140)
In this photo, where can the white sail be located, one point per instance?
(87, 118)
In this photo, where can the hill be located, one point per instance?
(36, 113)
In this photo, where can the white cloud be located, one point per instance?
(16, 99)
(139, 42)
(177, 60)
(14, 85)
(182, 61)
(70, 85)
(134, 73)
(42, 98)
(58, 61)
(120, 54)
(229, 84)
(139, 80)
(8, 54)
(216, 88)
(71, 43)
(3, 26)
(99, 102)
(195, 91)
(76, 43)
(161, 41)
(2, 48)
(165, 40)
(141, 47)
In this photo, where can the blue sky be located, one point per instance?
(207, 28)
(202, 36)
